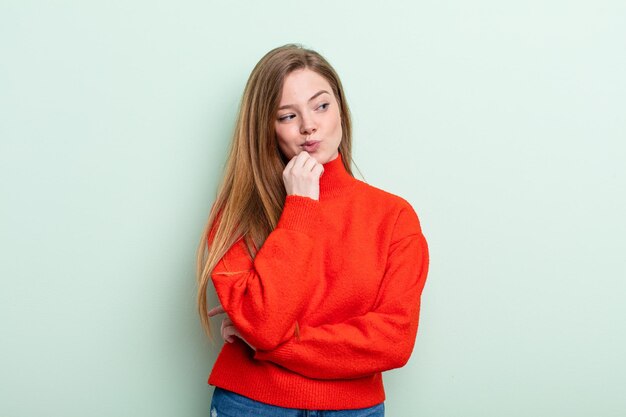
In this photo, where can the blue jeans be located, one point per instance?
(227, 403)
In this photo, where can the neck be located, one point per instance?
(335, 179)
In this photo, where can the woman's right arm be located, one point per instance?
(264, 297)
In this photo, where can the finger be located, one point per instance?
(303, 163)
(318, 169)
(302, 159)
(311, 164)
(226, 321)
(228, 327)
(289, 164)
(229, 333)
(296, 160)
(223, 330)
(216, 310)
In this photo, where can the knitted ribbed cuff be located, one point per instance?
(300, 213)
(284, 351)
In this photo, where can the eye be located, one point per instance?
(325, 104)
(283, 118)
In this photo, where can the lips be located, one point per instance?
(311, 145)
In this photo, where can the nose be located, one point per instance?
(308, 125)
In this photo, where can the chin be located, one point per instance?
(322, 158)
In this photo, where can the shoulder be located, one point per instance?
(392, 202)
(398, 210)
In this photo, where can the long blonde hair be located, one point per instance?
(251, 195)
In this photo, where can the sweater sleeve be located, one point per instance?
(380, 340)
(265, 296)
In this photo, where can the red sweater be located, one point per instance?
(349, 269)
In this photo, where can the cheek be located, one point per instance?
(337, 121)
(286, 141)
(280, 133)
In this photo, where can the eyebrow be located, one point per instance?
(314, 95)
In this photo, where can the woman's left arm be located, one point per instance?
(379, 340)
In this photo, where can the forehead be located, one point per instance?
(301, 84)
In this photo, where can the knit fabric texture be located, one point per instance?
(330, 301)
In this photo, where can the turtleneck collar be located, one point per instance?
(335, 179)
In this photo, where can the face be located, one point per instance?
(308, 111)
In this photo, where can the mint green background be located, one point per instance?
(503, 123)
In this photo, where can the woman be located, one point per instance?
(319, 274)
